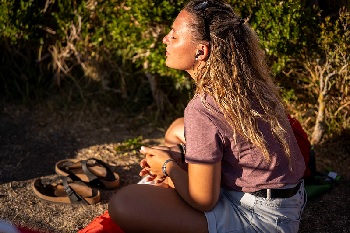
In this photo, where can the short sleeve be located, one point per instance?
(204, 142)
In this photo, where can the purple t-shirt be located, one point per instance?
(209, 139)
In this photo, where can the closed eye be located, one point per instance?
(172, 32)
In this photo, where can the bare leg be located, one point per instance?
(175, 133)
(149, 208)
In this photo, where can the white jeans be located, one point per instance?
(243, 212)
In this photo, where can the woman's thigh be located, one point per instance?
(150, 208)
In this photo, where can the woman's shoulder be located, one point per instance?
(204, 105)
(203, 102)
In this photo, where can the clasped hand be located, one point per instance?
(154, 159)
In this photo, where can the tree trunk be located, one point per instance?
(319, 129)
(161, 100)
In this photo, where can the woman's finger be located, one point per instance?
(150, 151)
(151, 174)
(160, 180)
(143, 150)
(143, 172)
(143, 163)
(165, 148)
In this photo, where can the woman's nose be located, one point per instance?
(165, 39)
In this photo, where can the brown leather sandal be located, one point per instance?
(92, 171)
(62, 189)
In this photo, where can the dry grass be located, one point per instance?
(32, 141)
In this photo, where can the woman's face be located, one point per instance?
(180, 50)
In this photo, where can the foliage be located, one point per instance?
(284, 27)
(95, 51)
(130, 145)
(330, 75)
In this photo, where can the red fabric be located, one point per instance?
(24, 230)
(303, 142)
(102, 224)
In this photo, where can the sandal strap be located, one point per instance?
(73, 196)
(93, 179)
(109, 173)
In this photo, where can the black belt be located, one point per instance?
(277, 193)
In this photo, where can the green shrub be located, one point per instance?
(97, 50)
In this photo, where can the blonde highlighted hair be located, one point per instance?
(236, 74)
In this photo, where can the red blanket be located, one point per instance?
(102, 224)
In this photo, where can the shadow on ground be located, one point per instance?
(32, 142)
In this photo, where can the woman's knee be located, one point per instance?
(175, 132)
(121, 204)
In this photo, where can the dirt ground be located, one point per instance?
(32, 141)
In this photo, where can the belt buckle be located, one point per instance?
(268, 193)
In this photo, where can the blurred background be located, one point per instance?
(94, 55)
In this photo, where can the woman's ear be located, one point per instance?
(199, 53)
(202, 52)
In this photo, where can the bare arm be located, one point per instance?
(200, 187)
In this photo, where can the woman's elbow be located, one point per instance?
(206, 206)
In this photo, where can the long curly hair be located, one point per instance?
(236, 74)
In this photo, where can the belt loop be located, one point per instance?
(268, 193)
